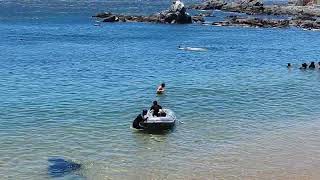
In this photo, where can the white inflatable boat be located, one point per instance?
(159, 122)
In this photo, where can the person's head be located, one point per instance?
(155, 103)
(312, 63)
(144, 112)
(289, 65)
(304, 65)
(163, 85)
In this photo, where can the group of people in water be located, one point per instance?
(155, 108)
(312, 65)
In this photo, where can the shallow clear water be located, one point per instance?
(71, 89)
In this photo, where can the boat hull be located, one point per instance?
(158, 126)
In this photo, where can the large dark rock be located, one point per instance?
(111, 18)
(183, 18)
(170, 17)
(102, 15)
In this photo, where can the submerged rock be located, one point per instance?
(302, 22)
(59, 167)
(198, 19)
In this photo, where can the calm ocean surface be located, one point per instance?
(71, 89)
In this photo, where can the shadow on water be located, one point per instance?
(144, 137)
(60, 167)
(158, 132)
(155, 131)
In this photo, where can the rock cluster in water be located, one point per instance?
(252, 22)
(299, 21)
(301, 16)
(297, 16)
(175, 15)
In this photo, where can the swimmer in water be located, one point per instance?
(312, 65)
(161, 88)
(304, 66)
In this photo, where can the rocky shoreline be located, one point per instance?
(305, 17)
(296, 16)
(254, 7)
(176, 14)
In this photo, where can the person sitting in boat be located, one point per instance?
(139, 119)
(156, 108)
(161, 88)
(162, 113)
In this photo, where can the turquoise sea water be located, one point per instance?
(71, 89)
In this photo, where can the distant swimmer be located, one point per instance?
(97, 23)
(312, 65)
(319, 65)
(192, 48)
(304, 66)
(161, 88)
(289, 65)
